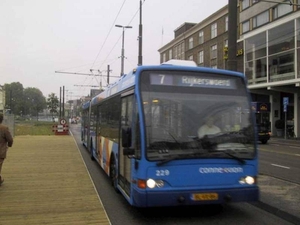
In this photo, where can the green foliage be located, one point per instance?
(23, 101)
(52, 103)
(33, 128)
(13, 97)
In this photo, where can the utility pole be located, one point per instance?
(140, 57)
(63, 103)
(232, 35)
(59, 103)
(108, 70)
(122, 50)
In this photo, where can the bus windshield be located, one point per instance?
(196, 115)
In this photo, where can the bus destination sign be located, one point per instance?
(192, 81)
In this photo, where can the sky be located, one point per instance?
(51, 44)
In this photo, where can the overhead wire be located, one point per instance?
(108, 34)
(121, 35)
(106, 39)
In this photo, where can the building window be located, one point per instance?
(191, 43)
(281, 51)
(281, 10)
(213, 52)
(179, 51)
(226, 23)
(182, 51)
(245, 26)
(201, 37)
(200, 57)
(214, 67)
(164, 57)
(245, 4)
(281, 38)
(254, 1)
(170, 54)
(214, 30)
(255, 58)
(191, 58)
(261, 19)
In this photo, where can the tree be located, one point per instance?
(14, 98)
(52, 103)
(34, 100)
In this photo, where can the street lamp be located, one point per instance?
(122, 50)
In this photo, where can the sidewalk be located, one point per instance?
(278, 196)
(46, 182)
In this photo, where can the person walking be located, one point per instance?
(6, 140)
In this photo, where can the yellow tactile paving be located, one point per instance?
(46, 182)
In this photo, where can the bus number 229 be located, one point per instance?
(162, 173)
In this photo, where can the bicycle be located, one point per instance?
(290, 132)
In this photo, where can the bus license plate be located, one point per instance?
(205, 197)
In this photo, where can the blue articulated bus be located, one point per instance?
(144, 131)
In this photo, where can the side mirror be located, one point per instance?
(126, 141)
(126, 137)
(128, 151)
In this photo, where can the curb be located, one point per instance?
(278, 212)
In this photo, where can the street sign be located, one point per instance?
(284, 108)
(63, 121)
(285, 103)
(285, 100)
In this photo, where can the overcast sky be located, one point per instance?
(39, 37)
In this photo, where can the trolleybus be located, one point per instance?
(143, 131)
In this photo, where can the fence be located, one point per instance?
(9, 120)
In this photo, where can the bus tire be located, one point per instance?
(113, 173)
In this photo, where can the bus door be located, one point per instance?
(124, 161)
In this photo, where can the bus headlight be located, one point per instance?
(247, 180)
(155, 183)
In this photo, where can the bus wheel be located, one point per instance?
(113, 174)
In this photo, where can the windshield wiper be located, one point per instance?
(212, 140)
(242, 161)
(173, 157)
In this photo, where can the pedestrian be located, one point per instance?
(6, 141)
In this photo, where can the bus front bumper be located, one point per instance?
(194, 197)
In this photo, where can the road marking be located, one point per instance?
(274, 144)
(297, 154)
(294, 146)
(285, 167)
(278, 152)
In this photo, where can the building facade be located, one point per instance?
(206, 42)
(270, 35)
(268, 53)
